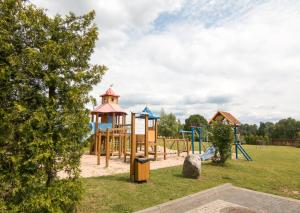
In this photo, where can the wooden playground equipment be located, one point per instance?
(150, 137)
(109, 126)
(113, 137)
(229, 119)
(139, 159)
(183, 145)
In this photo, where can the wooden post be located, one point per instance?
(112, 133)
(125, 133)
(146, 136)
(124, 145)
(99, 148)
(178, 153)
(187, 148)
(107, 148)
(96, 144)
(165, 149)
(133, 146)
(155, 140)
(91, 142)
(120, 141)
(96, 130)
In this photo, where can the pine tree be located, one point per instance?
(45, 78)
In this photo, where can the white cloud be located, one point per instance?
(247, 64)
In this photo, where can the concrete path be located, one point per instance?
(228, 199)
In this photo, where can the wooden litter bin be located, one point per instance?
(141, 169)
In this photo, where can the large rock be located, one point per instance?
(192, 166)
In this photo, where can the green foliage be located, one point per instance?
(256, 139)
(168, 125)
(195, 120)
(222, 138)
(248, 129)
(45, 78)
(284, 129)
(266, 129)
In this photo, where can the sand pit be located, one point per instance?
(89, 167)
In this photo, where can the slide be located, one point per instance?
(92, 126)
(243, 151)
(209, 153)
(88, 135)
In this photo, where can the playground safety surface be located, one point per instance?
(227, 198)
(89, 167)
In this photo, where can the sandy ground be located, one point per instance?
(89, 167)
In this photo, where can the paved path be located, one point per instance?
(228, 199)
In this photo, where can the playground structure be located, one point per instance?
(206, 154)
(108, 121)
(111, 135)
(229, 119)
(193, 131)
(146, 140)
(178, 141)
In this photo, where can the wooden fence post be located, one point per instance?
(165, 149)
(178, 151)
(107, 148)
(99, 148)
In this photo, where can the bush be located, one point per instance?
(45, 79)
(222, 138)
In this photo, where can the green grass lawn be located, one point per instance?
(275, 170)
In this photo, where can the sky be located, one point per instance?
(197, 56)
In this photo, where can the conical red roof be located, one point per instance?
(109, 92)
(109, 108)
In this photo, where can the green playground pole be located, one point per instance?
(200, 141)
(236, 142)
(193, 139)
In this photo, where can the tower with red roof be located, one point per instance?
(108, 115)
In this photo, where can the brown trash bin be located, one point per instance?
(141, 169)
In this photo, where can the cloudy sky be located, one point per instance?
(198, 56)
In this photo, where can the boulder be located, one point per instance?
(192, 166)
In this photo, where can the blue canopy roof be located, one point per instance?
(151, 115)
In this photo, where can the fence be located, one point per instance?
(285, 142)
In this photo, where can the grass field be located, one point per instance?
(275, 169)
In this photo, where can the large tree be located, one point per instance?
(195, 120)
(286, 129)
(168, 125)
(265, 129)
(248, 129)
(45, 78)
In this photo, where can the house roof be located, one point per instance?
(109, 92)
(109, 108)
(227, 116)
